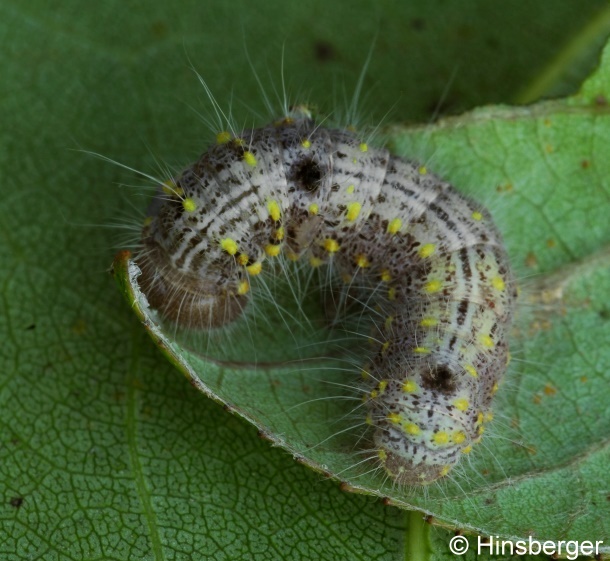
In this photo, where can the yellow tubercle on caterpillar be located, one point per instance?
(409, 386)
(423, 170)
(229, 245)
(440, 438)
(385, 347)
(412, 429)
(353, 211)
(279, 234)
(458, 437)
(486, 341)
(421, 350)
(394, 418)
(428, 322)
(461, 404)
(273, 250)
(242, 259)
(350, 189)
(476, 215)
(433, 286)
(471, 370)
(391, 294)
(170, 188)
(255, 268)
(330, 245)
(383, 384)
(292, 256)
(285, 121)
(362, 261)
(249, 158)
(498, 283)
(243, 287)
(467, 449)
(363, 147)
(274, 210)
(223, 137)
(315, 262)
(306, 143)
(394, 226)
(426, 250)
(385, 276)
(189, 205)
(388, 322)
(313, 209)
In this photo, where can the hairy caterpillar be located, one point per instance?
(426, 257)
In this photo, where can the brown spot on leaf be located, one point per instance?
(16, 502)
(531, 260)
(158, 29)
(550, 390)
(418, 24)
(324, 51)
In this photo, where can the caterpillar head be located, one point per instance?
(424, 422)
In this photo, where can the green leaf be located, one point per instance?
(105, 452)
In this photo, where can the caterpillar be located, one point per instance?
(427, 258)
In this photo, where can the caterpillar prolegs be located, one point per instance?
(442, 283)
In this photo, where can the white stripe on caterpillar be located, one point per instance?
(324, 195)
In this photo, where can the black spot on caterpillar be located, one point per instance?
(430, 257)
